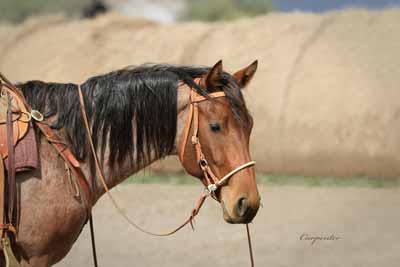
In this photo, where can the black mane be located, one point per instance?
(135, 108)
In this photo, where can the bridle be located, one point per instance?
(210, 180)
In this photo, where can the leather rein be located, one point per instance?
(211, 181)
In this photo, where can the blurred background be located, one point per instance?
(325, 100)
(176, 10)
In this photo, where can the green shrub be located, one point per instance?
(19, 10)
(213, 10)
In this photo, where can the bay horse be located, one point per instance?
(137, 115)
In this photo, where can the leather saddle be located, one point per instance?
(20, 119)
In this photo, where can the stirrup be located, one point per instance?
(11, 261)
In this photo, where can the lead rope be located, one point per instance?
(93, 240)
(113, 201)
(250, 247)
(195, 211)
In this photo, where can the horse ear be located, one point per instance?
(213, 78)
(244, 76)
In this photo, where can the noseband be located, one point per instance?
(210, 180)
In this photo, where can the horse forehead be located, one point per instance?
(216, 109)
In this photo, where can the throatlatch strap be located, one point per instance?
(186, 132)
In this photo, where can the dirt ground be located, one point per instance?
(366, 221)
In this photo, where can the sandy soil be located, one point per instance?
(367, 221)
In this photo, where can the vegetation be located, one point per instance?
(211, 10)
(18, 10)
(275, 180)
(205, 10)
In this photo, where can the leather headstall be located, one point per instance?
(211, 181)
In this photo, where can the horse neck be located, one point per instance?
(112, 176)
(122, 171)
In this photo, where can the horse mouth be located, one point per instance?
(227, 216)
(246, 218)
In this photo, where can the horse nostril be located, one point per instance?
(242, 206)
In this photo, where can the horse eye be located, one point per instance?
(215, 127)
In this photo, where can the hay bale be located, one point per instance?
(325, 99)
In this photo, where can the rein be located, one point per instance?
(211, 180)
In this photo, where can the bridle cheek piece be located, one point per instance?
(211, 181)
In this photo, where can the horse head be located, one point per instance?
(214, 128)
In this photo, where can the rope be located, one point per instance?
(250, 247)
(113, 201)
(119, 209)
(93, 241)
(226, 177)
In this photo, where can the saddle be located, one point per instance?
(14, 125)
(15, 118)
(20, 119)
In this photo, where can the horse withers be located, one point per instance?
(138, 115)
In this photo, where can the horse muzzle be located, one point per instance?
(243, 211)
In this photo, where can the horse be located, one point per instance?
(137, 115)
